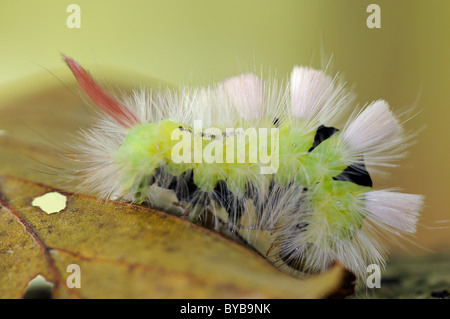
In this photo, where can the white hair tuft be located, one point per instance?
(397, 210)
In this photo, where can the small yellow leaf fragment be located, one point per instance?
(50, 203)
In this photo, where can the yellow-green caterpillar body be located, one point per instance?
(259, 156)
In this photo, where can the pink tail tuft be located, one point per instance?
(103, 100)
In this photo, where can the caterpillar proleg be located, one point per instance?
(255, 155)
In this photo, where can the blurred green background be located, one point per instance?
(405, 62)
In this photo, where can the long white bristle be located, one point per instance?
(246, 94)
(310, 91)
(397, 210)
(373, 130)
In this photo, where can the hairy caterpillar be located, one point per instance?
(266, 156)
